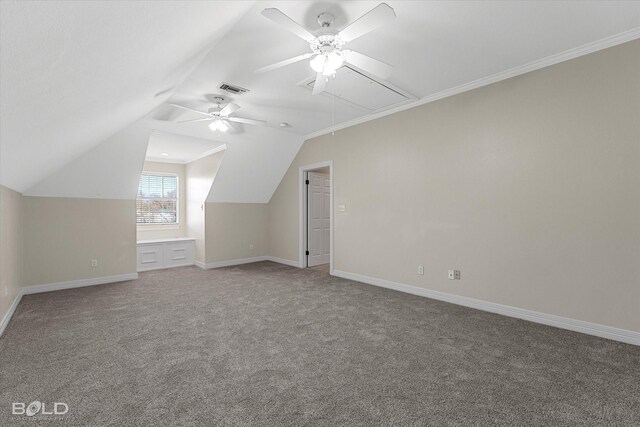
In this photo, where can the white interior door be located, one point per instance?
(318, 218)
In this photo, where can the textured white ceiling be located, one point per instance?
(74, 73)
(175, 148)
(110, 170)
(433, 46)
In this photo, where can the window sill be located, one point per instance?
(152, 227)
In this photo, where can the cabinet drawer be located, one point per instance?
(178, 253)
(150, 257)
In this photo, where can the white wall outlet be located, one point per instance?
(451, 275)
(342, 208)
(456, 274)
(251, 247)
(421, 269)
(94, 263)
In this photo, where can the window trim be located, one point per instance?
(168, 225)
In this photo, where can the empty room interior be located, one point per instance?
(283, 213)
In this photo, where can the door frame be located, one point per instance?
(302, 218)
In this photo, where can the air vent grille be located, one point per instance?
(236, 90)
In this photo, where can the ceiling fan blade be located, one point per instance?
(189, 109)
(280, 18)
(319, 85)
(196, 120)
(376, 17)
(285, 62)
(247, 121)
(368, 64)
(228, 109)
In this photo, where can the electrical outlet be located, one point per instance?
(420, 269)
(94, 263)
(251, 247)
(456, 274)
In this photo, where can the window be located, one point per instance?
(157, 200)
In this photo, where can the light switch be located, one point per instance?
(342, 208)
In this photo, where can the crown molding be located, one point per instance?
(557, 58)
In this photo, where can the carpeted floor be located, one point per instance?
(265, 344)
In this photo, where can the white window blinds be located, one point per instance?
(157, 200)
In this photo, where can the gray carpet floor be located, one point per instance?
(265, 344)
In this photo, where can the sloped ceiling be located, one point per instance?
(255, 160)
(110, 170)
(74, 73)
(253, 168)
(434, 46)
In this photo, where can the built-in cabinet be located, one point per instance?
(154, 254)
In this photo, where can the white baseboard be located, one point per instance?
(240, 261)
(9, 313)
(603, 331)
(78, 283)
(48, 287)
(284, 261)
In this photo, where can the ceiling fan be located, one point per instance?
(220, 117)
(327, 49)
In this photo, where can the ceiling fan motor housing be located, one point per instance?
(325, 19)
(215, 111)
(326, 43)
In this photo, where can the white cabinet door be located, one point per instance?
(156, 254)
(150, 257)
(178, 254)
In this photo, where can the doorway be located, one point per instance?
(316, 216)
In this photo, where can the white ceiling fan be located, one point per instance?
(220, 117)
(327, 49)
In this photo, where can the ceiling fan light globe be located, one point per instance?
(318, 63)
(217, 125)
(335, 60)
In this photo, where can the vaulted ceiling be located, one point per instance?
(75, 73)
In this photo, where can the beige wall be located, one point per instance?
(10, 247)
(164, 231)
(63, 235)
(199, 176)
(231, 228)
(531, 187)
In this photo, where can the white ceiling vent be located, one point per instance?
(360, 90)
(236, 90)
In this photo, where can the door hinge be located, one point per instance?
(307, 253)
(306, 182)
